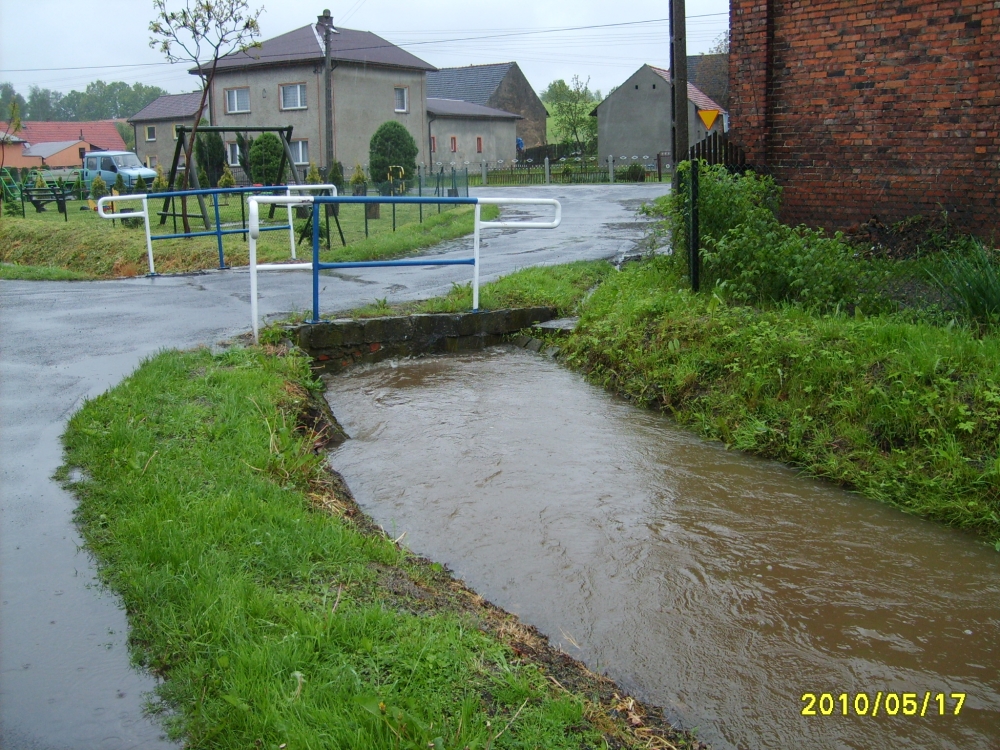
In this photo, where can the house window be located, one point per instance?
(151, 162)
(300, 151)
(402, 99)
(233, 154)
(237, 100)
(434, 144)
(177, 131)
(293, 96)
(454, 144)
(150, 132)
(81, 151)
(479, 145)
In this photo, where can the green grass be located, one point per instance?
(94, 247)
(562, 287)
(269, 618)
(39, 273)
(905, 412)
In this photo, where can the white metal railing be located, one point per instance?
(332, 189)
(289, 200)
(102, 202)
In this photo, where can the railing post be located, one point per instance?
(218, 230)
(475, 255)
(291, 224)
(315, 218)
(149, 237)
(611, 168)
(485, 175)
(548, 175)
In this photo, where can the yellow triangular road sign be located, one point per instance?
(708, 116)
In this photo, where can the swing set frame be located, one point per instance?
(284, 135)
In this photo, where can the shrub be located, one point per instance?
(336, 176)
(392, 146)
(312, 176)
(226, 179)
(631, 173)
(765, 261)
(140, 186)
(264, 159)
(567, 172)
(98, 188)
(39, 180)
(119, 186)
(12, 208)
(160, 184)
(725, 201)
(202, 177)
(210, 153)
(358, 179)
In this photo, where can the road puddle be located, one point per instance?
(717, 585)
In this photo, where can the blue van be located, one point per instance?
(110, 164)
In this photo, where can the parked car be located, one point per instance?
(110, 164)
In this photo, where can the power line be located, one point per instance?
(388, 44)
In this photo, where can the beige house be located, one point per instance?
(156, 124)
(283, 83)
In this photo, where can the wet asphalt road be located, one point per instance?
(65, 679)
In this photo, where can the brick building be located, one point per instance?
(862, 107)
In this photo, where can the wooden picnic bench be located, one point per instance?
(39, 197)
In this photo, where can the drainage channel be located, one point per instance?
(720, 586)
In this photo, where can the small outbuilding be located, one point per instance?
(634, 120)
(500, 86)
(463, 134)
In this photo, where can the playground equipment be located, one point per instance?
(316, 266)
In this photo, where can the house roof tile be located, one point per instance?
(100, 133)
(472, 83)
(710, 73)
(305, 45)
(457, 108)
(169, 107)
(700, 98)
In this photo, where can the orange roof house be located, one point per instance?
(102, 134)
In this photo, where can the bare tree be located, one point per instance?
(201, 32)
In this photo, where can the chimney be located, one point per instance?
(325, 20)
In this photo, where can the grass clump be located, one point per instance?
(273, 621)
(39, 273)
(906, 412)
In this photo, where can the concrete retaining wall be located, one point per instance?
(338, 344)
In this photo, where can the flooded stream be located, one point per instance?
(717, 585)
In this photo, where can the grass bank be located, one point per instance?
(276, 614)
(95, 248)
(905, 412)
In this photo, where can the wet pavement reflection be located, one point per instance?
(717, 585)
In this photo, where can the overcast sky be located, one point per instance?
(58, 44)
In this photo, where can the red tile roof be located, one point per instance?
(101, 133)
(695, 94)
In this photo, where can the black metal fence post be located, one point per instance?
(694, 240)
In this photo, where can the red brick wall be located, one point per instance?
(861, 107)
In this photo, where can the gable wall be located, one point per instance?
(514, 94)
(863, 107)
(634, 119)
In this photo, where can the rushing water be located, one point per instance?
(719, 586)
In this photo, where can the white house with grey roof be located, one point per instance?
(634, 120)
(283, 82)
(499, 86)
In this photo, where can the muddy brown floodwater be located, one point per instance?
(717, 585)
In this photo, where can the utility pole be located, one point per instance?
(326, 21)
(680, 141)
